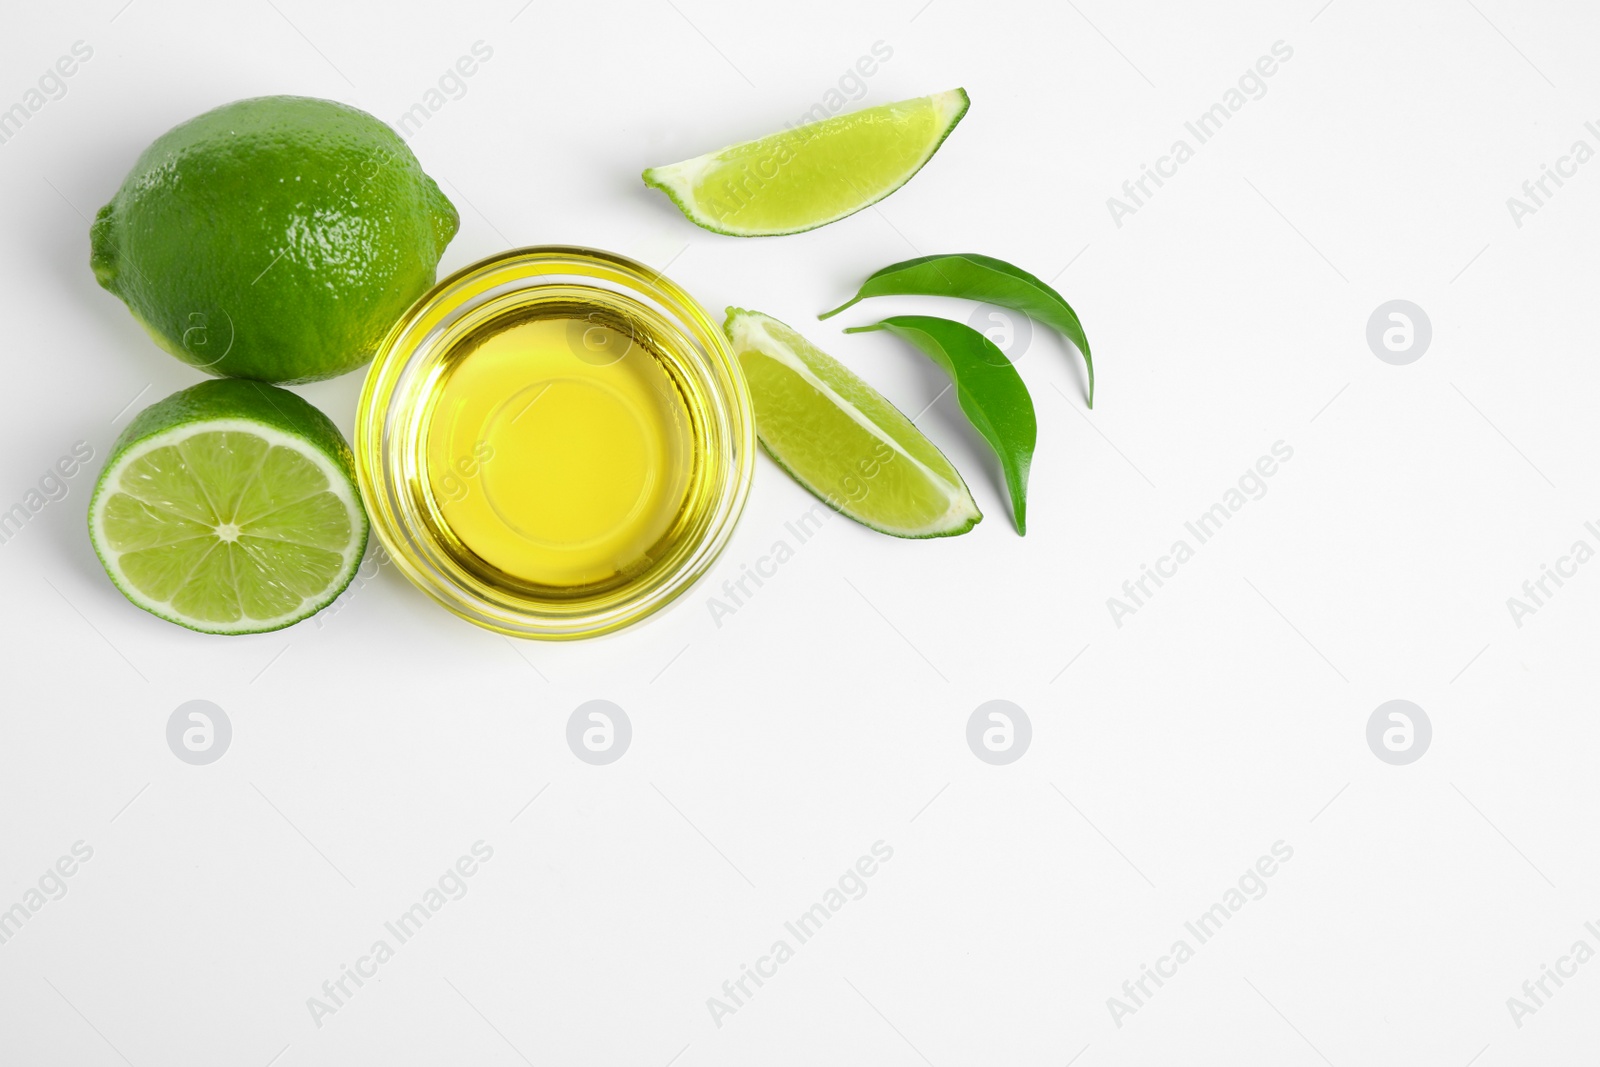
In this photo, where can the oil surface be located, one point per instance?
(559, 451)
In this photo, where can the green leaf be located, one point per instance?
(974, 277)
(989, 388)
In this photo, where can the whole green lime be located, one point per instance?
(276, 238)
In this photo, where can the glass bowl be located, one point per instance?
(604, 303)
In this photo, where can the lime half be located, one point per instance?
(811, 175)
(229, 508)
(838, 436)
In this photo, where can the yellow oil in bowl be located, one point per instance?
(559, 471)
(554, 442)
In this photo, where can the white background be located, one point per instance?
(372, 749)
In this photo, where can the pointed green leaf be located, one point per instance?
(989, 389)
(974, 277)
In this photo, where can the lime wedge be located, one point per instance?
(811, 175)
(229, 508)
(838, 436)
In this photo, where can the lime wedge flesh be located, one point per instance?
(814, 174)
(228, 524)
(840, 438)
